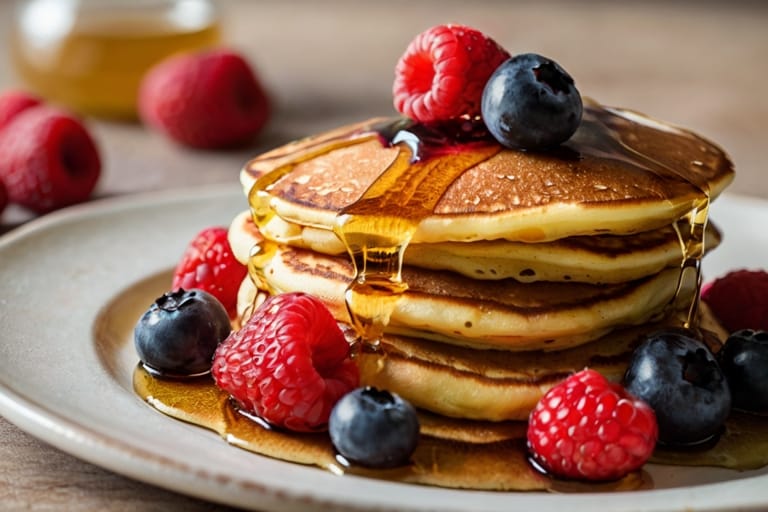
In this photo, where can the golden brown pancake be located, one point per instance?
(507, 314)
(620, 173)
(491, 384)
(588, 259)
(611, 205)
(497, 384)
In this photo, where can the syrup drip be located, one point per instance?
(601, 135)
(260, 200)
(376, 240)
(429, 160)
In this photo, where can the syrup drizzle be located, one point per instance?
(377, 228)
(428, 161)
(601, 135)
(376, 239)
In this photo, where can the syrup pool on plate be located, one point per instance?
(451, 453)
(90, 55)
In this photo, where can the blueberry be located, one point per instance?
(680, 379)
(374, 428)
(744, 360)
(530, 102)
(179, 333)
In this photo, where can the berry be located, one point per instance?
(738, 299)
(679, 377)
(587, 428)
(49, 159)
(374, 428)
(530, 102)
(13, 103)
(205, 100)
(744, 361)
(209, 264)
(289, 364)
(443, 71)
(179, 333)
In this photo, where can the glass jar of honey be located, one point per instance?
(90, 55)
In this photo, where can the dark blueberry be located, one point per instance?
(374, 428)
(530, 102)
(744, 360)
(179, 333)
(680, 379)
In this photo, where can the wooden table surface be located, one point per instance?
(702, 65)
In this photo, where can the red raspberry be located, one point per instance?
(48, 159)
(14, 102)
(443, 72)
(205, 100)
(739, 299)
(590, 429)
(208, 264)
(289, 364)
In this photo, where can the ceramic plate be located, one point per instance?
(73, 285)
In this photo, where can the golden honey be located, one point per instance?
(91, 56)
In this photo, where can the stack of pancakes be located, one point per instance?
(530, 265)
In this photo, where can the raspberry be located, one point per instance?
(209, 265)
(443, 72)
(590, 429)
(205, 100)
(738, 299)
(289, 364)
(48, 159)
(13, 103)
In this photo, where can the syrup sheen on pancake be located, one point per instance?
(378, 217)
(582, 188)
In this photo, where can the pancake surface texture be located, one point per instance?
(620, 173)
(518, 267)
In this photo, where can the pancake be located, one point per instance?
(497, 385)
(588, 259)
(620, 173)
(506, 314)
(491, 384)
(519, 267)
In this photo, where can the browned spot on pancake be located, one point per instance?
(508, 294)
(532, 298)
(250, 228)
(504, 368)
(617, 245)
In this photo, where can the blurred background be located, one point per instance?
(698, 64)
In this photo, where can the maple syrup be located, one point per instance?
(451, 453)
(90, 55)
(376, 229)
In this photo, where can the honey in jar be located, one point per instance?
(90, 55)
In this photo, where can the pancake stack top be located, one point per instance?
(518, 267)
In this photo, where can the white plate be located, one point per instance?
(65, 374)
